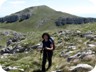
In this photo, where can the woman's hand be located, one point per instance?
(49, 48)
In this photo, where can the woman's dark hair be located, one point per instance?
(46, 35)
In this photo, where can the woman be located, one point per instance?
(47, 51)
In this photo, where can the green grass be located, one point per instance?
(31, 61)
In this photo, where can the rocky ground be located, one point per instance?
(75, 51)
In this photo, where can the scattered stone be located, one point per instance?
(13, 68)
(1, 69)
(72, 47)
(76, 60)
(91, 45)
(57, 71)
(93, 70)
(81, 67)
(63, 54)
(89, 57)
(71, 50)
(77, 55)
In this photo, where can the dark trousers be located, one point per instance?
(47, 55)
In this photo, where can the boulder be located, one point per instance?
(13, 50)
(36, 46)
(72, 47)
(13, 68)
(81, 68)
(78, 32)
(94, 69)
(75, 56)
(91, 45)
(9, 42)
(89, 36)
(18, 49)
(89, 57)
(66, 54)
(76, 60)
(6, 33)
(7, 50)
(86, 53)
(1, 69)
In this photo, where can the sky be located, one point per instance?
(84, 8)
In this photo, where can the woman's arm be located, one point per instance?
(50, 48)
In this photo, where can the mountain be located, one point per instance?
(31, 12)
(41, 18)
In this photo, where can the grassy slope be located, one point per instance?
(43, 18)
(32, 61)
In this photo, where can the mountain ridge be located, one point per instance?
(27, 13)
(40, 18)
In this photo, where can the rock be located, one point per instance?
(57, 45)
(81, 68)
(6, 33)
(53, 71)
(76, 60)
(1, 47)
(19, 36)
(34, 47)
(15, 37)
(18, 49)
(68, 32)
(1, 69)
(57, 71)
(89, 36)
(74, 56)
(15, 49)
(13, 68)
(7, 50)
(60, 41)
(78, 32)
(63, 54)
(72, 47)
(91, 45)
(93, 70)
(9, 42)
(4, 56)
(89, 57)
(87, 52)
(61, 33)
(40, 45)
(1, 52)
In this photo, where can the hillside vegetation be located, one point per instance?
(20, 41)
(69, 42)
(41, 18)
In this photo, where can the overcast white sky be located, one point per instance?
(85, 8)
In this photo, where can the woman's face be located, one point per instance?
(45, 37)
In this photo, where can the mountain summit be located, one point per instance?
(41, 17)
(31, 12)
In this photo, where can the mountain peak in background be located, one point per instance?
(30, 12)
(41, 17)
